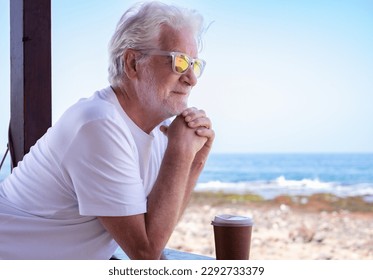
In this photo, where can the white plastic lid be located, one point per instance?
(231, 220)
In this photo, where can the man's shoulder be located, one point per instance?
(94, 108)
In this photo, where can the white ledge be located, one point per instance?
(169, 253)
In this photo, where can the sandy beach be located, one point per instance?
(320, 227)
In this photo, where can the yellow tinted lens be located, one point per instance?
(181, 63)
(197, 68)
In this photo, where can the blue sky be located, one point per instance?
(281, 76)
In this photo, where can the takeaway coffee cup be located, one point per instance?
(232, 237)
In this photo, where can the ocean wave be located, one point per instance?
(282, 186)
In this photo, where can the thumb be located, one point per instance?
(164, 129)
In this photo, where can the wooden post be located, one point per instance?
(30, 53)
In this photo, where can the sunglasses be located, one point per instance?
(181, 62)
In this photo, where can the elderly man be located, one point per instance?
(114, 170)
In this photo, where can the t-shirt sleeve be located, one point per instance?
(103, 168)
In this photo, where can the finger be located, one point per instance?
(205, 132)
(200, 122)
(192, 113)
(188, 111)
(164, 129)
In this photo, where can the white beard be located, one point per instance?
(150, 99)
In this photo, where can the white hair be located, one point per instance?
(140, 27)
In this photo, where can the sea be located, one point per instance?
(271, 175)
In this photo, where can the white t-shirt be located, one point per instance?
(93, 162)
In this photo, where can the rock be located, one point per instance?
(319, 237)
(302, 234)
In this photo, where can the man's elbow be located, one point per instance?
(147, 253)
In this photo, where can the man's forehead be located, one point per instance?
(177, 40)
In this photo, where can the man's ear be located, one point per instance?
(130, 59)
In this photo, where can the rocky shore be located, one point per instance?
(286, 228)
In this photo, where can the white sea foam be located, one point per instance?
(283, 186)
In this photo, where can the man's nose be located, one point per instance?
(189, 77)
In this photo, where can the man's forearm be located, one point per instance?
(168, 198)
(194, 174)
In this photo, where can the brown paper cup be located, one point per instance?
(232, 237)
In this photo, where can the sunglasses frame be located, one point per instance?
(191, 61)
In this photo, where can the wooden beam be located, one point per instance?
(30, 53)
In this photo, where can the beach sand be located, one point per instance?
(319, 227)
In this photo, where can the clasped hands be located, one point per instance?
(191, 119)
